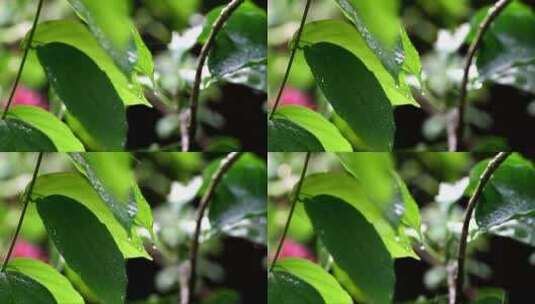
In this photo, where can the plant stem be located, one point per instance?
(216, 27)
(224, 166)
(24, 57)
(494, 12)
(291, 60)
(483, 180)
(26, 200)
(292, 209)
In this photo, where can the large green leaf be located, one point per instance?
(78, 188)
(87, 93)
(355, 246)
(508, 194)
(379, 24)
(345, 35)
(321, 128)
(17, 288)
(19, 136)
(112, 178)
(347, 188)
(354, 92)
(87, 246)
(315, 276)
(507, 54)
(60, 135)
(285, 288)
(77, 35)
(239, 201)
(240, 46)
(286, 136)
(60, 288)
(111, 25)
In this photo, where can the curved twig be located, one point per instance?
(26, 200)
(224, 166)
(290, 61)
(24, 57)
(483, 180)
(494, 12)
(292, 208)
(216, 27)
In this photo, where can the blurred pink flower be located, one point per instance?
(291, 248)
(25, 96)
(25, 249)
(292, 96)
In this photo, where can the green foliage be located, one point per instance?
(60, 135)
(240, 54)
(507, 204)
(286, 288)
(362, 102)
(17, 288)
(239, 203)
(97, 106)
(79, 189)
(355, 246)
(60, 288)
(285, 135)
(83, 248)
(345, 35)
(19, 136)
(111, 25)
(507, 54)
(315, 276)
(379, 24)
(75, 34)
(111, 177)
(325, 132)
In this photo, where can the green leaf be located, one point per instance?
(78, 188)
(77, 35)
(17, 288)
(521, 228)
(60, 135)
(315, 276)
(112, 178)
(87, 93)
(240, 199)
(19, 136)
(321, 128)
(347, 188)
(490, 296)
(86, 245)
(111, 25)
(379, 24)
(240, 46)
(411, 62)
(411, 216)
(286, 136)
(285, 288)
(355, 246)
(507, 52)
(345, 35)
(60, 288)
(508, 194)
(354, 92)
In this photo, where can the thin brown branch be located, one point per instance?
(26, 200)
(224, 166)
(24, 57)
(292, 209)
(493, 165)
(291, 60)
(494, 12)
(216, 27)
